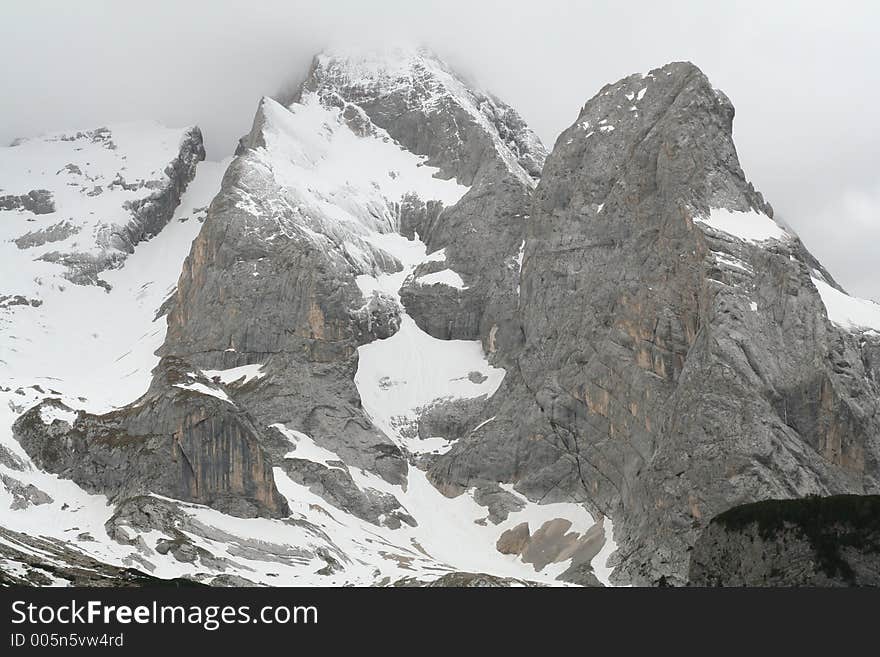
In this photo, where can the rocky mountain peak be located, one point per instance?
(670, 122)
(430, 109)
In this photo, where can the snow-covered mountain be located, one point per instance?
(386, 343)
(303, 245)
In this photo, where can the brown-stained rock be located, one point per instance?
(514, 539)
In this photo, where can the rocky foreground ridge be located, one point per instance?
(814, 541)
(408, 345)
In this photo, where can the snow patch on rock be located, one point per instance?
(203, 389)
(851, 313)
(48, 414)
(400, 375)
(752, 226)
(304, 447)
(237, 375)
(443, 277)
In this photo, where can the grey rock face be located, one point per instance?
(514, 539)
(498, 501)
(832, 541)
(24, 495)
(442, 311)
(336, 485)
(647, 386)
(870, 352)
(483, 235)
(379, 318)
(451, 419)
(185, 445)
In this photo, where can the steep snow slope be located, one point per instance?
(99, 193)
(97, 344)
(430, 109)
(851, 313)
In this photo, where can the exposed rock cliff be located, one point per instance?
(676, 358)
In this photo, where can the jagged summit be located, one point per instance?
(429, 108)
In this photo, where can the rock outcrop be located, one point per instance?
(44, 562)
(181, 445)
(37, 201)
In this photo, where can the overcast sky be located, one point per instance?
(803, 77)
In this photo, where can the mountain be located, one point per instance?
(409, 346)
(681, 352)
(278, 441)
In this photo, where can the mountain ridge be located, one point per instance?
(397, 320)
